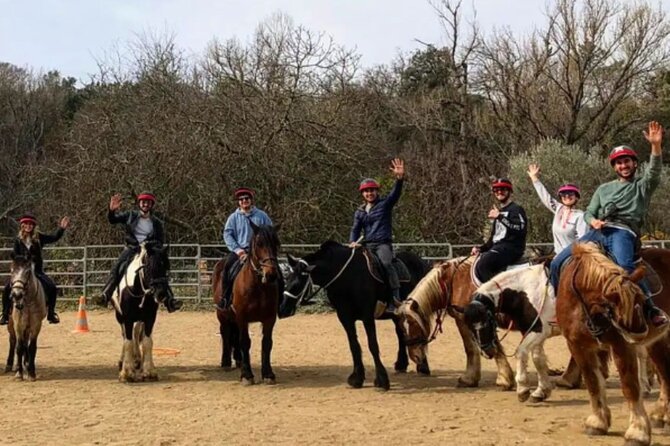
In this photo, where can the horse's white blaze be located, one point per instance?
(128, 278)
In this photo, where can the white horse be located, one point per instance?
(524, 299)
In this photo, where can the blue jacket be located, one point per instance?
(237, 232)
(377, 223)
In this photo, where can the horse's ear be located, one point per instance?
(292, 261)
(638, 273)
(310, 268)
(254, 226)
(458, 309)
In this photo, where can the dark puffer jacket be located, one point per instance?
(377, 223)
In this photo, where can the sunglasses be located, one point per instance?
(497, 190)
(244, 199)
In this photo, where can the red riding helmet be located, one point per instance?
(502, 183)
(621, 151)
(368, 183)
(569, 187)
(28, 218)
(149, 196)
(243, 191)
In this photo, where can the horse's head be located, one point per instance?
(298, 285)
(416, 312)
(156, 271)
(608, 295)
(479, 316)
(263, 252)
(22, 272)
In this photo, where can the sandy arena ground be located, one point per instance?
(78, 400)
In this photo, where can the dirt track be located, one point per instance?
(78, 400)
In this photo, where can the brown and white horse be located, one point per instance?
(446, 287)
(28, 312)
(599, 310)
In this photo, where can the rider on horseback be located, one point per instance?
(237, 235)
(29, 243)
(568, 224)
(141, 226)
(507, 241)
(617, 210)
(374, 219)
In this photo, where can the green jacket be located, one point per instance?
(626, 202)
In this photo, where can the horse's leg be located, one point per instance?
(357, 377)
(473, 371)
(266, 350)
(604, 356)
(226, 349)
(246, 375)
(505, 378)
(127, 373)
(381, 377)
(20, 353)
(138, 337)
(588, 361)
(639, 429)
(402, 360)
(522, 384)
(660, 355)
(148, 367)
(235, 345)
(32, 354)
(643, 370)
(544, 385)
(572, 377)
(12, 352)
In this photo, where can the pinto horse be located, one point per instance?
(599, 310)
(255, 299)
(28, 312)
(143, 286)
(445, 288)
(354, 292)
(524, 298)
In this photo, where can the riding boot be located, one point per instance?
(394, 303)
(6, 306)
(52, 316)
(107, 291)
(655, 315)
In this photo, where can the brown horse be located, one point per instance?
(255, 299)
(599, 310)
(27, 314)
(447, 287)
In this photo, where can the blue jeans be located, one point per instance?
(619, 243)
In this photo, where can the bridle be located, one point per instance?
(149, 291)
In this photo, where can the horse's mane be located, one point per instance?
(266, 236)
(601, 273)
(428, 292)
(330, 244)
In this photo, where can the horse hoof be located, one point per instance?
(247, 381)
(631, 442)
(563, 383)
(463, 383)
(269, 381)
(401, 371)
(593, 431)
(355, 381)
(32, 378)
(505, 387)
(423, 370)
(8, 369)
(227, 368)
(537, 399)
(382, 384)
(523, 396)
(150, 377)
(18, 377)
(555, 372)
(127, 378)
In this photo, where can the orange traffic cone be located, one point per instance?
(81, 326)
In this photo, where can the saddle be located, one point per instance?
(377, 271)
(523, 262)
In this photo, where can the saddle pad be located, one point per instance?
(521, 263)
(377, 271)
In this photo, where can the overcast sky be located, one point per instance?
(69, 34)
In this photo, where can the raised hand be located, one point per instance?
(64, 222)
(534, 171)
(397, 167)
(115, 202)
(654, 133)
(494, 213)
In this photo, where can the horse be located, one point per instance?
(136, 300)
(29, 310)
(354, 292)
(599, 310)
(446, 287)
(9, 365)
(255, 299)
(524, 298)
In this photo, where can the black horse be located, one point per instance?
(353, 292)
(143, 286)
